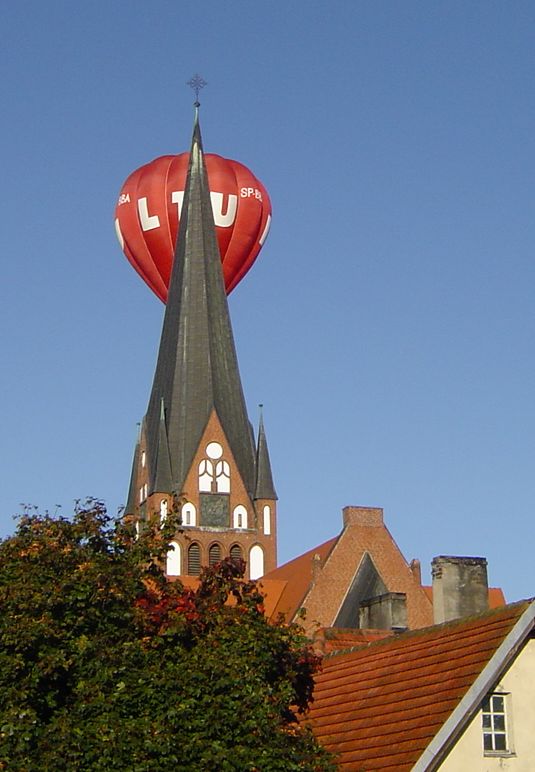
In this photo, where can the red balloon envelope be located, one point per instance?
(147, 217)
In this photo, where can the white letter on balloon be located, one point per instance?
(148, 221)
(220, 219)
(177, 197)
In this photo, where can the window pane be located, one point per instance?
(487, 742)
(499, 723)
(486, 721)
(497, 704)
(499, 742)
(486, 705)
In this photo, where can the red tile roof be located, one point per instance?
(379, 705)
(297, 576)
(330, 639)
(271, 588)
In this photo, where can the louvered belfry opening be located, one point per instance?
(236, 552)
(214, 554)
(194, 560)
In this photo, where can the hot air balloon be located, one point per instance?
(147, 217)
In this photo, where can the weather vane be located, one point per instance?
(197, 83)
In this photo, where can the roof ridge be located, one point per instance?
(395, 639)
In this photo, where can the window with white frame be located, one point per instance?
(494, 722)
(189, 514)
(174, 559)
(267, 520)
(206, 475)
(239, 517)
(163, 511)
(214, 471)
(222, 476)
(256, 562)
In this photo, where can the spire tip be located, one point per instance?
(197, 82)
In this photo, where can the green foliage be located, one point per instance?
(104, 665)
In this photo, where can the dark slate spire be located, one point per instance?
(264, 488)
(197, 369)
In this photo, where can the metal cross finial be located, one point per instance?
(197, 83)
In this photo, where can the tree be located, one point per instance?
(105, 665)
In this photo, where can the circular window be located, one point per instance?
(214, 450)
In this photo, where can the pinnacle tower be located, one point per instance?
(196, 443)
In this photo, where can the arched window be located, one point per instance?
(206, 476)
(214, 554)
(138, 529)
(256, 562)
(239, 517)
(189, 514)
(222, 477)
(194, 560)
(236, 552)
(173, 566)
(163, 511)
(267, 520)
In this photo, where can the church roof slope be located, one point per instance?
(395, 704)
(297, 575)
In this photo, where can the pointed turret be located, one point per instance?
(196, 446)
(131, 501)
(264, 488)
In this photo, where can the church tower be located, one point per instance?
(196, 444)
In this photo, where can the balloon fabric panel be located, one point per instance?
(147, 214)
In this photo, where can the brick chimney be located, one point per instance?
(364, 516)
(460, 587)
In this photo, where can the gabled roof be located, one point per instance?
(399, 703)
(296, 576)
(322, 584)
(197, 368)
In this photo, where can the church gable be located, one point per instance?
(364, 533)
(214, 484)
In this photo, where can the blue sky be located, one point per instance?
(388, 323)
